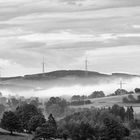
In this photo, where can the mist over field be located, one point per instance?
(68, 83)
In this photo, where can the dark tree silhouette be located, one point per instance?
(25, 112)
(10, 122)
(114, 130)
(137, 90)
(36, 121)
(130, 113)
(47, 130)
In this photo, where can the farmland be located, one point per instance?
(110, 101)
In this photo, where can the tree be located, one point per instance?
(34, 102)
(131, 98)
(0, 94)
(56, 106)
(137, 90)
(25, 112)
(84, 131)
(130, 113)
(47, 130)
(122, 113)
(121, 92)
(10, 122)
(125, 100)
(36, 121)
(138, 98)
(76, 97)
(97, 94)
(114, 129)
(2, 108)
(14, 102)
(115, 110)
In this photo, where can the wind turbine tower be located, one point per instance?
(0, 71)
(86, 67)
(121, 84)
(43, 66)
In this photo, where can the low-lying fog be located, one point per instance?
(74, 89)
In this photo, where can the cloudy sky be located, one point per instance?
(65, 32)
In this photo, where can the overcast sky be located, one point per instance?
(65, 32)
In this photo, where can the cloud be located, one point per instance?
(4, 63)
(65, 37)
(64, 32)
(136, 26)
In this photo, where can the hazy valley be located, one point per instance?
(67, 82)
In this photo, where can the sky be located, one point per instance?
(65, 32)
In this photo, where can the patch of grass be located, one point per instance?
(8, 137)
(5, 135)
(110, 101)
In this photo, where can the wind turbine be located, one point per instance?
(86, 67)
(43, 66)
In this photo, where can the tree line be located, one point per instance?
(93, 124)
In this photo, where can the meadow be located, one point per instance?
(110, 101)
(5, 135)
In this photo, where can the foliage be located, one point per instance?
(34, 102)
(36, 121)
(82, 125)
(83, 131)
(134, 124)
(56, 106)
(14, 102)
(131, 99)
(137, 90)
(78, 98)
(130, 113)
(47, 130)
(121, 92)
(96, 94)
(25, 112)
(135, 134)
(114, 129)
(2, 108)
(81, 102)
(90, 124)
(10, 121)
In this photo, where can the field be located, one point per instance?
(5, 135)
(110, 101)
(8, 137)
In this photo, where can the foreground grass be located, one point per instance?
(8, 137)
(5, 135)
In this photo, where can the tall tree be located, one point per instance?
(114, 129)
(36, 121)
(47, 130)
(25, 112)
(10, 122)
(130, 113)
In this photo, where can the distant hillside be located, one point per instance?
(64, 79)
(68, 73)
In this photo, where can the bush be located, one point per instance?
(137, 90)
(96, 94)
(81, 102)
(135, 134)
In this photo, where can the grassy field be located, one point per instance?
(103, 102)
(8, 137)
(110, 101)
(5, 135)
